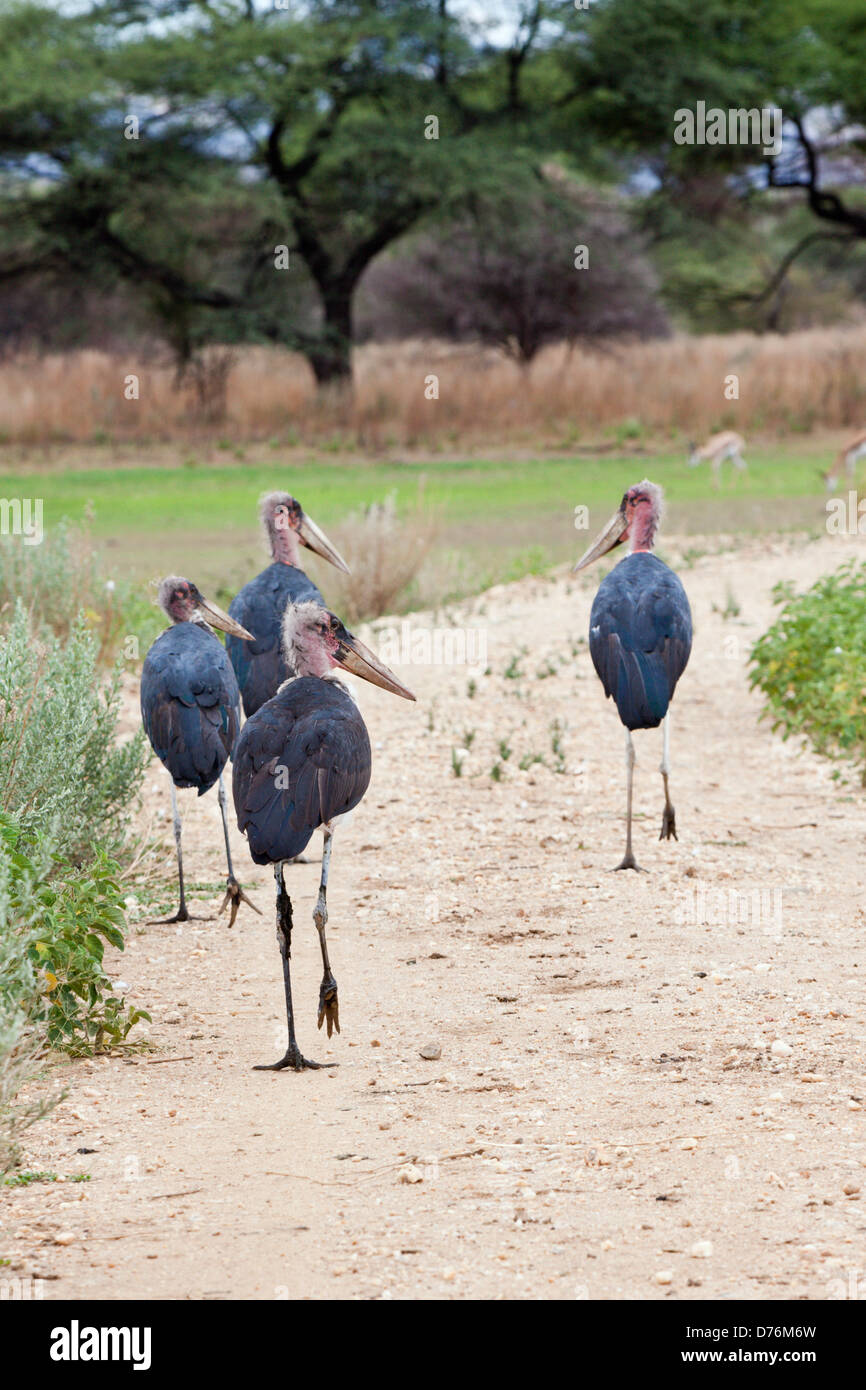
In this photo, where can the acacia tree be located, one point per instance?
(337, 126)
(642, 63)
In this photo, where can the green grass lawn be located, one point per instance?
(498, 518)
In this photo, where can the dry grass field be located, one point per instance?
(567, 399)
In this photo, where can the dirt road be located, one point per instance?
(650, 1086)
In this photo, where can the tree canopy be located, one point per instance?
(239, 164)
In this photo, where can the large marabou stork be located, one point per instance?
(260, 605)
(302, 760)
(640, 634)
(190, 707)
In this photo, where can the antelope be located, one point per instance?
(719, 447)
(847, 459)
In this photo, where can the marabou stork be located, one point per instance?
(303, 759)
(260, 605)
(640, 634)
(190, 707)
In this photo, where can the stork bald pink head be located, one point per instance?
(181, 601)
(315, 642)
(287, 524)
(636, 521)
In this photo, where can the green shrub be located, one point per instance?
(67, 792)
(81, 910)
(54, 992)
(20, 991)
(811, 664)
(60, 763)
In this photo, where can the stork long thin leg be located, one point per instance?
(293, 1057)
(234, 893)
(329, 1005)
(182, 914)
(628, 859)
(669, 820)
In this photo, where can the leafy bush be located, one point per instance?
(67, 789)
(54, 992)
(20, 991)
(60, 763)
(811, 664)
(81, 909)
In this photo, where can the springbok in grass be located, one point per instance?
(846, 458)
(719, 447)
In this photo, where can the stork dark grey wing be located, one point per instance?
(259, 607)
(302, 759)
(640, 637)
(190, 704)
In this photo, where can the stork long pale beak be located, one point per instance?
(612, 535)
(353, 656)
(217, 618)
(315, 539)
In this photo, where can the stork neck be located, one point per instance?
(643, 529)
(306, 657)
(284, 546)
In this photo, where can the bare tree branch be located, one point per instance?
(826, 205)
(776, 279)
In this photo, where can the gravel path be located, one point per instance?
(650, 1086)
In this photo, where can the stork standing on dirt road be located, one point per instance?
(640, 634)
(260, 605)
(190, 707)
(303, 759)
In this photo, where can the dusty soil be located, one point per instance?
(609, 1117)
